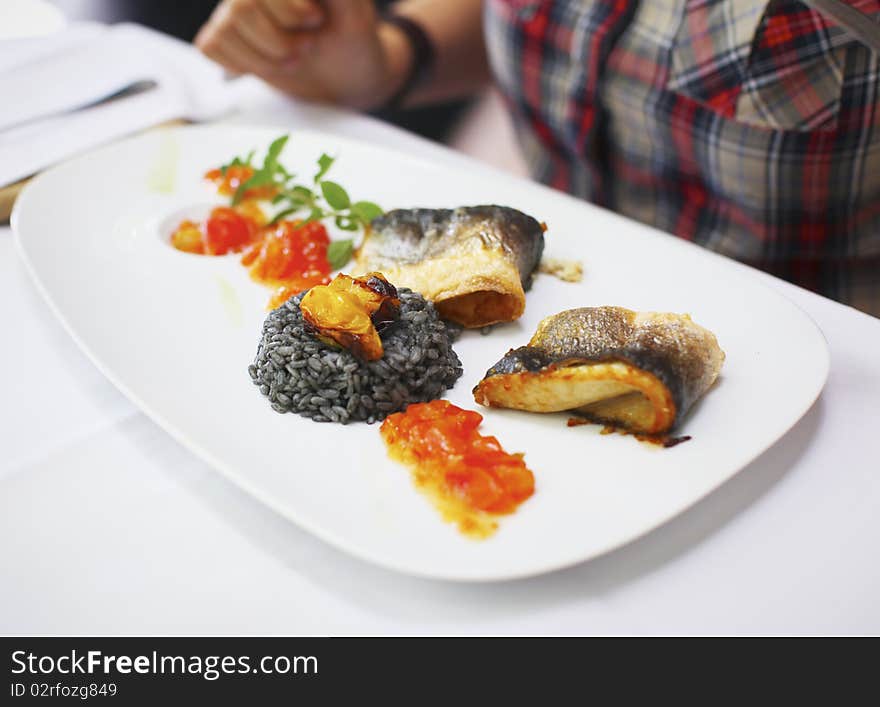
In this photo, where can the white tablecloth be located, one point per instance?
(107, 525)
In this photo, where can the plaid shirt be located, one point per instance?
(750, 127)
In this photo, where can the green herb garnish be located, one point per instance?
(237, 162)
(335, 195)
(325, 162)
(339, 253)
(322, 200)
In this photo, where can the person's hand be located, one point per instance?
(333, 51)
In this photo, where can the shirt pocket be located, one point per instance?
(777, 65)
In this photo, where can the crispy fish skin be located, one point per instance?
(474, 262)
(641, 371)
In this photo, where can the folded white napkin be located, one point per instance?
(51, 90)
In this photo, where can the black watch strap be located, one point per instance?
(423, 57)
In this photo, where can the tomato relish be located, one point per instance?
(469, 476)
(290, 251)
(289, 256)
(225, 231)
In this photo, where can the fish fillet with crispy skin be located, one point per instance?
(639, 371)
(474, 262)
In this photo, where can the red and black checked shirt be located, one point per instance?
(750, 127)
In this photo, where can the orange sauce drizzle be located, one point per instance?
(468, 476)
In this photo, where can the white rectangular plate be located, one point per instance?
(176, 333)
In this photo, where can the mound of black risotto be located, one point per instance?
(301, 374)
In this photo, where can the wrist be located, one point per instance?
(398, 57)
(420, 58)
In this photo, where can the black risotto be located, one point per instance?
(301, 374)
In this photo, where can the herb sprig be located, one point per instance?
(321, 199)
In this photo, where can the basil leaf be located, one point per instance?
(303, 194)
(335, 195)
(271, 162)
(325, 161)
(366, 211)
(339, 253)
(257, 179)
(239, 193)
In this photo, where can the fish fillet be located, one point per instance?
(474, 262)
(639, 371)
